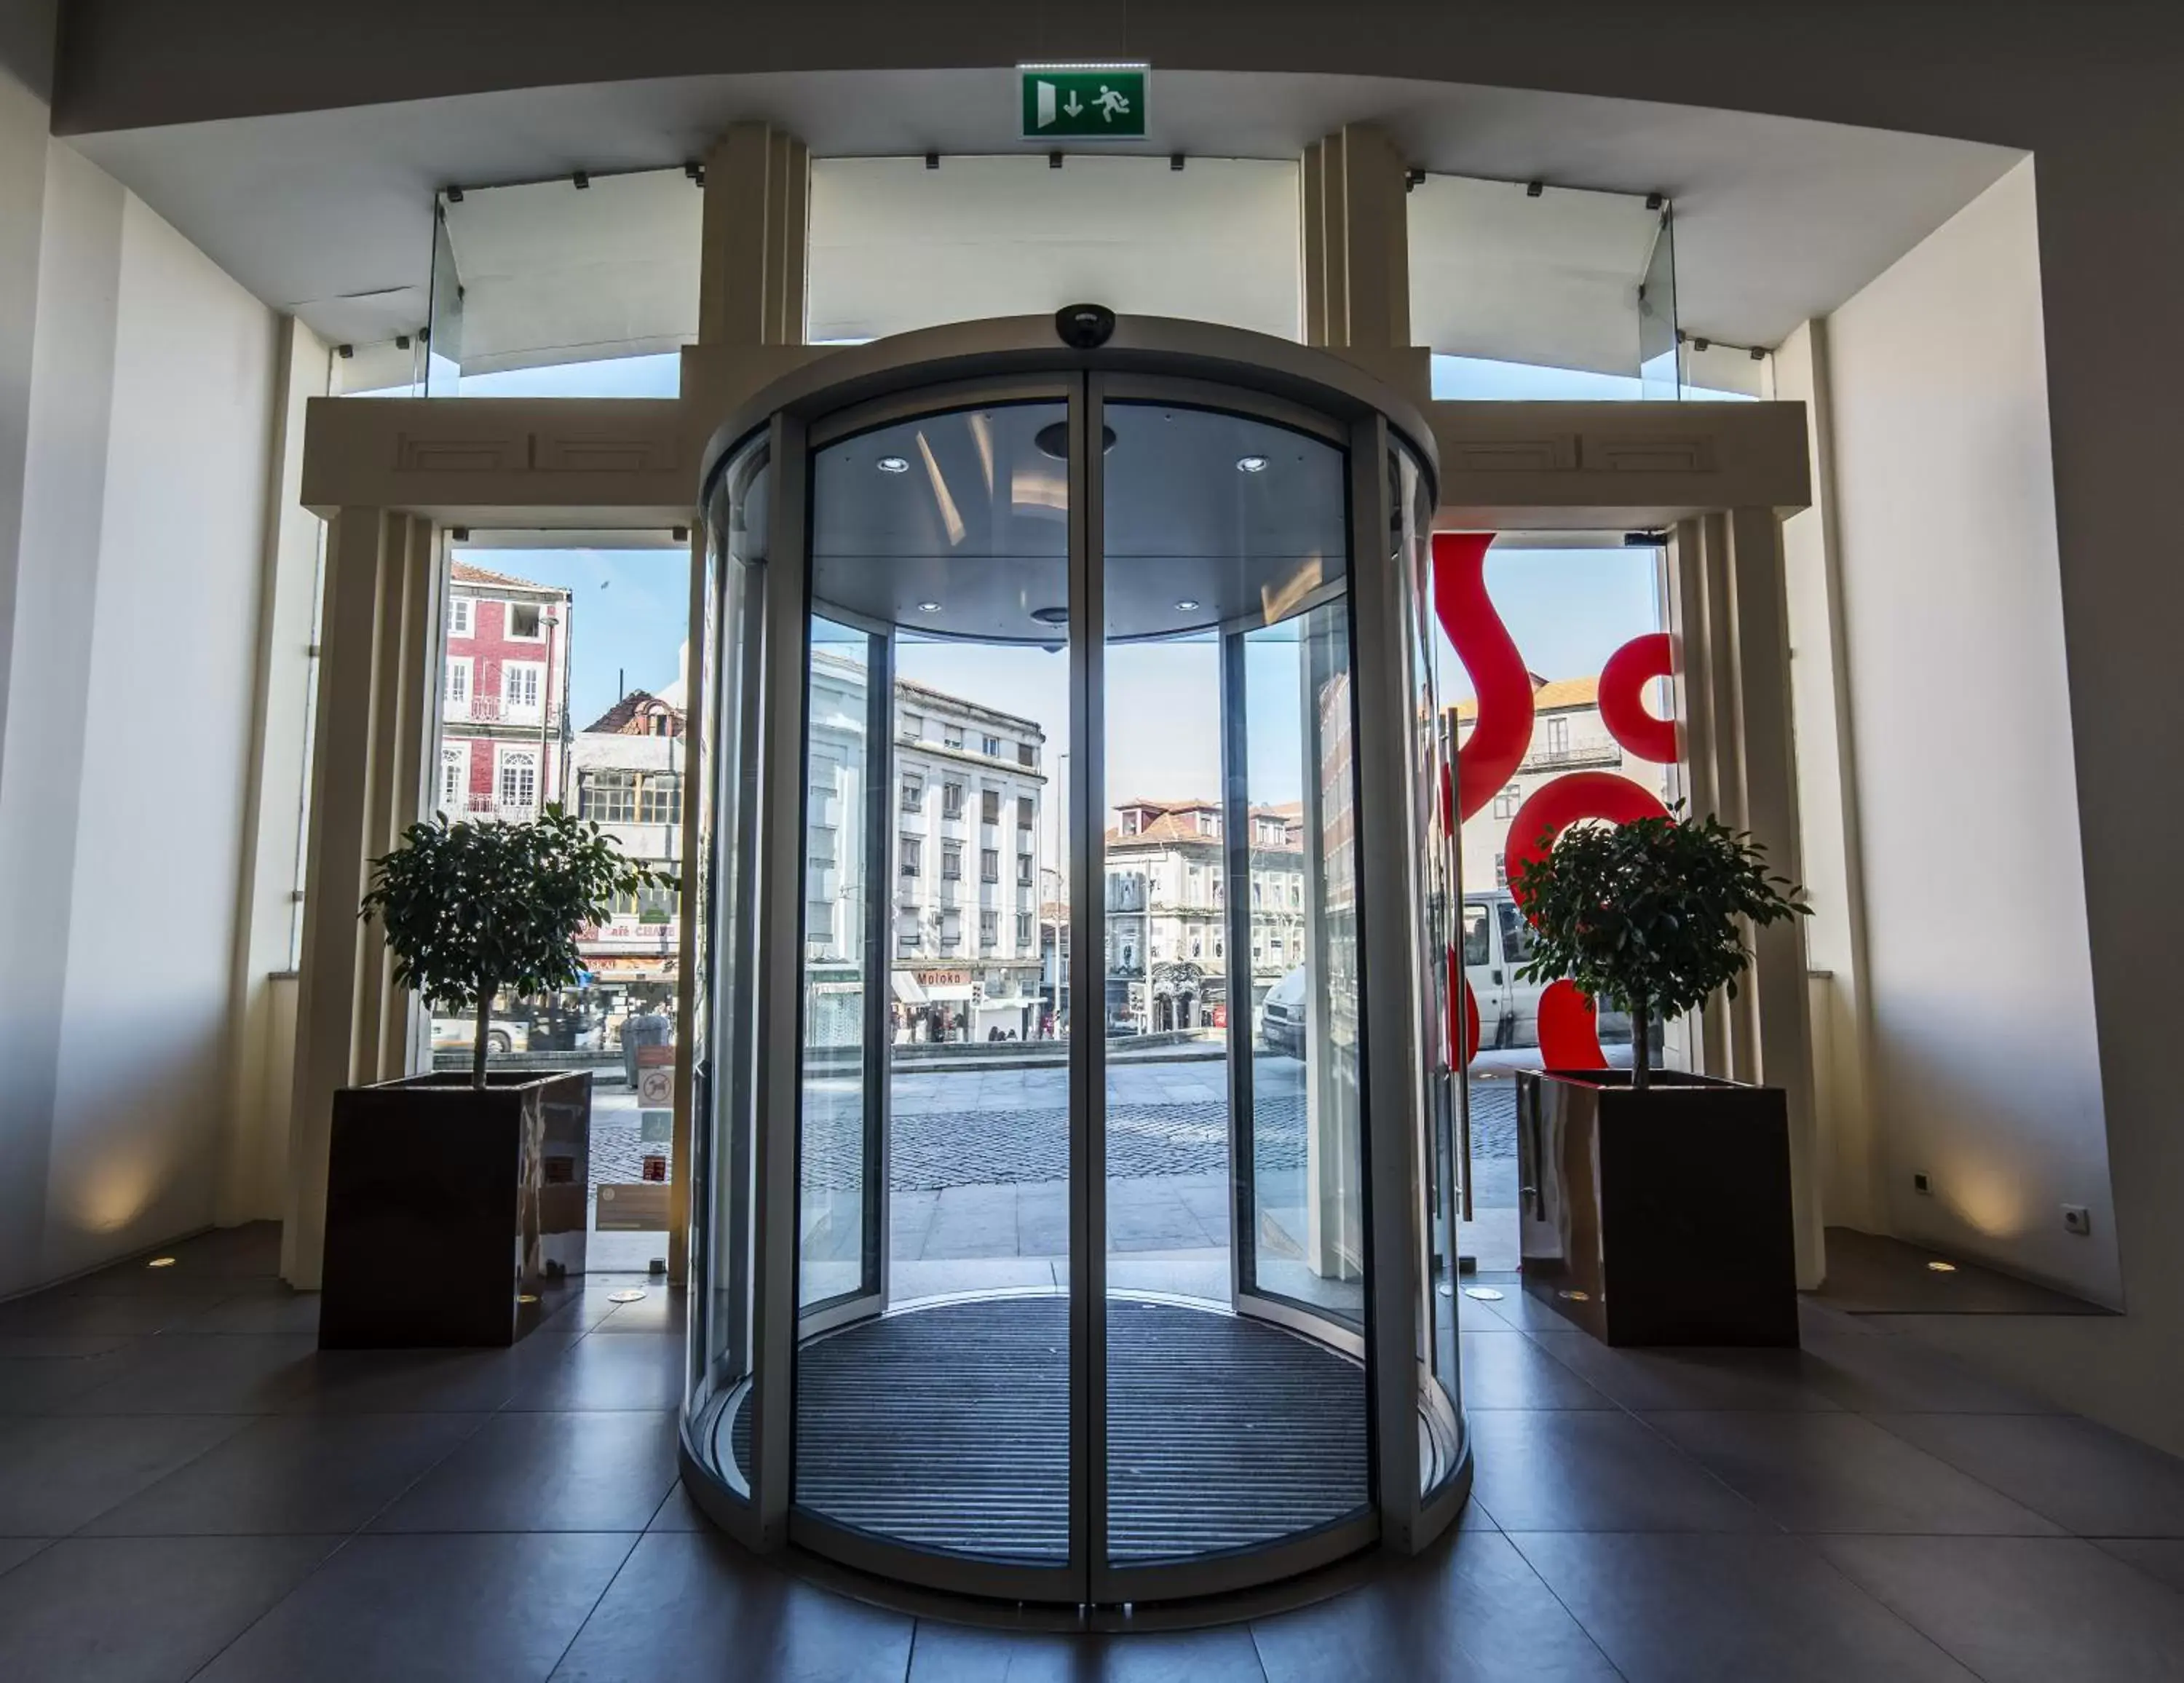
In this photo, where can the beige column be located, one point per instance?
(1728, 613)
(374, 665)
(756, 230)
(1357, 242)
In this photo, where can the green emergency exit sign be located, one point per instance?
(1084, 102)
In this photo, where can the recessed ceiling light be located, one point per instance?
(893, 464)
(928, 607)
(1251, 464)
(1942, 1268)
(161, 1262)
(1186, 606)
(1484, 1294)
(1057, 615)
(630, 1297)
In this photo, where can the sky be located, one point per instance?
(1568, 608)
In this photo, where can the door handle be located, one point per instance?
(1494, 977)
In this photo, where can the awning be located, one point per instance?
(906, 988)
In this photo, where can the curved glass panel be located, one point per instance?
(1232, 1149)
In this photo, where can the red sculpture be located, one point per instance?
(1623, 707)
(1569, 1036)
(1553, 807)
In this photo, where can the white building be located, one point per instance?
(1168, 962)
(964, 959)
(628, 768)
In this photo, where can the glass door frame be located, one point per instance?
(1018, 361)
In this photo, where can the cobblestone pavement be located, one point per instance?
(1006, 1142)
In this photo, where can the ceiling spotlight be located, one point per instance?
(1057, 615)
(1186, 606)
(1053, 440)
(1942, 1268)
(928, 607)
(161, 1262)
(1251, 464)
(893, 464)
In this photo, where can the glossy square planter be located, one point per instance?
(1660, 1217)
(455, 1216)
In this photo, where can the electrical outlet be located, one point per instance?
(1922, 1185)
(2078, 1219)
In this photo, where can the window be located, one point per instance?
(521, 682)
(1023, 870)
(951, 934)
(519, 780)
(951, 800)
(1027, 811)
(459, 616)
(1131, 818)
(525, 620)
(1271, 832)
(1026, 755)
(1129, 957)
(458, 684)
(909, 937)
(1516, 933)
(1217, 949)
(951, 861)
(913, 791)
(989, 865)
(913, 850)
(1195, 947)
(1023, 929)
(454, 777)
(951, 736)
(1478, 945)
(610, 797)
(1507, 802)
(991, 745)
(989, 807)
(913, 727)
(1557, 734)
(989, 923)
(659, 799)
(1501, 870)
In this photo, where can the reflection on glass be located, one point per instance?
(1659, 373)
(1307, 1172)
(725, 1007)
(831, 1224)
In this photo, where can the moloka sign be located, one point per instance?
(1084, 102)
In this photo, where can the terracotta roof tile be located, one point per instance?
(1551, 696)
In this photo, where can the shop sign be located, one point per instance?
(634, 1206)
(943, 979)
(1084, 102)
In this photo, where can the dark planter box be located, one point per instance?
(1660, 1217)
(453, 1216)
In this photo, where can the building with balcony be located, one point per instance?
(504, 696)
(1167, 961)
(627, 766)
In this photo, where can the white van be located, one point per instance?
(1496, 943)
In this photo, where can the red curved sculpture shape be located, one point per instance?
(1490, 756)
(1570, 1035)
(1623, 707)
(1463, 1036)
(1553, 807)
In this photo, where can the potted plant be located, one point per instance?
(1659, 1201)
(455, 1202)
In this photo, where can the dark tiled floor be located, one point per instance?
(188, 1489)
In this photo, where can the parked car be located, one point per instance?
(459, 1035)
(1281, 1015)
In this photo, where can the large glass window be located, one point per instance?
(562, 684)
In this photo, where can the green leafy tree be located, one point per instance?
(468, 909)
(1650, 915)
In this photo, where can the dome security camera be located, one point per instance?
(1085, 326)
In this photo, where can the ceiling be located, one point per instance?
(330, 213)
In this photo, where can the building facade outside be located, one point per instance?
(504, 696)
(965, 941)
(628, 766)
(1167, 923)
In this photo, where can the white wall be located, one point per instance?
(1985, 1071)
(124, 765)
